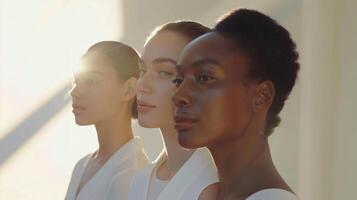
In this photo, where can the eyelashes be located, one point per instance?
(206, 79)
(90, 81)
(161, 73)
(177, 81)
(200, 79)
(165, 73)
(87, 81)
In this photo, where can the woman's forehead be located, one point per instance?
(213, 49)
(210, 44)
(98, 63)
(164, 44)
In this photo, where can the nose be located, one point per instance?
(144, 85)
(74, 91)
(182, 97)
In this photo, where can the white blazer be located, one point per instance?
(272, 194)
(112, 180)
(198, 172)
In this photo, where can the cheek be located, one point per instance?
(222, 113)
(213, 114)
(106, 100)
(162, 115)
(236, 112)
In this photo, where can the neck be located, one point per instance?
(245, 165)
(112, 135)
(176, 155)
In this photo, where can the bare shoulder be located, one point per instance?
(211, 192)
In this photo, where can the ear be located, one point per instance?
(129, 88)
(264, 96)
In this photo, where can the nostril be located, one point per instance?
(180, 101)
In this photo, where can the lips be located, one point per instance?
(143, 106)
(184, 122)
(77, 108)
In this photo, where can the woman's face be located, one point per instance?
(155, 86)
(214, 101)
(97, 93)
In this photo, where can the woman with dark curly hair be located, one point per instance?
(233, 83)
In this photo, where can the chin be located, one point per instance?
(83, 122)
(187, 141)
(146, 123)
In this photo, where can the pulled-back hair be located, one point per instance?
(123, 58)
(189, 29)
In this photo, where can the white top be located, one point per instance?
(195, 175)
(273, 194)
(156, 185)
(112, 180)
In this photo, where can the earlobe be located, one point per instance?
(264, 96)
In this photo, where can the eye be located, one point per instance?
(90, 81)
(177, 81)
(165, 73)
(206, 79)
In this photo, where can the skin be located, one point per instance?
(219, 107)
(155, 89)
(101, 99)
(155, 86)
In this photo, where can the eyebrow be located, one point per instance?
(159, 61)
(206, 61)
(96, 72)
(90, 71)
(164, 60)
(200, 63)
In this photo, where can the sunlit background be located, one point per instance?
(42, 41)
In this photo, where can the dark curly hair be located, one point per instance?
(270, 51)
(123, 58)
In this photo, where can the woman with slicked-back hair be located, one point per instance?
(177, 173)
(103, 95)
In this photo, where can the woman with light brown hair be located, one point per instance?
(177, 173)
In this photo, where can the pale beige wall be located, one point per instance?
(344, 154)
(327, 126)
